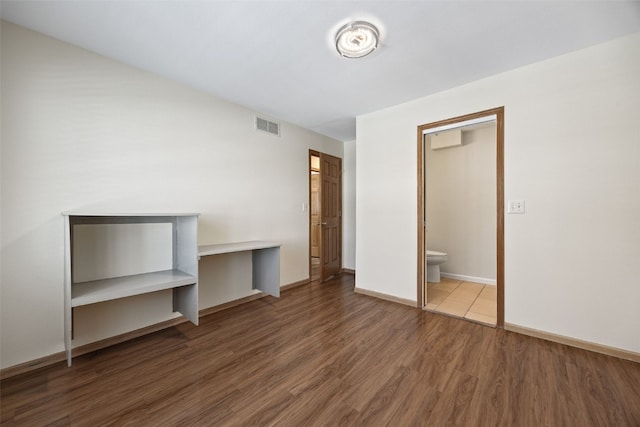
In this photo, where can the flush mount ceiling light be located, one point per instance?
(357, 39)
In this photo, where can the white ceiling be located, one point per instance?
(278, 57)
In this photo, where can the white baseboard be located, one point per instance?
(386, 297)
(574, 342)
(482, 280)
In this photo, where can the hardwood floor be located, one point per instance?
(323, 355)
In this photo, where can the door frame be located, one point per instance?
(499, 113)
(320, 154)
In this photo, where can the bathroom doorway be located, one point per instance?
(461, 172)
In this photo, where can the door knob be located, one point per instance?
(323, 223)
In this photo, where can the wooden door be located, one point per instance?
(331, 215)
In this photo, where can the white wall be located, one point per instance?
(349, 206)
(461, 204)
(80, 131)
(572, 151)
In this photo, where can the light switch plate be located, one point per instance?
(515, 206)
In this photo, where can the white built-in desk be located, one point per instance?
(265, 258)
(96, 246)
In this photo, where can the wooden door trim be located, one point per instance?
(499, 113)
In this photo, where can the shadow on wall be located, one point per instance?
(461, 201)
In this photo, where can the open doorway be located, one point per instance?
(314, 215)
(447, 137)
(325, 215)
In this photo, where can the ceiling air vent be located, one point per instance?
(268, 126)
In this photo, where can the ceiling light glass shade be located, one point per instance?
(357, 39)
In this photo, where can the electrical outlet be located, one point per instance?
(515, 206)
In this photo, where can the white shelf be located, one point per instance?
(103, 278)
(226, 248)
(85, 293)
(265, 258)
(98, 254)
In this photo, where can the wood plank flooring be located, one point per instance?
(323, 355)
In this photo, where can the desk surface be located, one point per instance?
(226, 248)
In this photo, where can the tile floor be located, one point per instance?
(473, 301)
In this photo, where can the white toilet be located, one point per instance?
(434, 259)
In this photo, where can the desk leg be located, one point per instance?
(266, 270)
